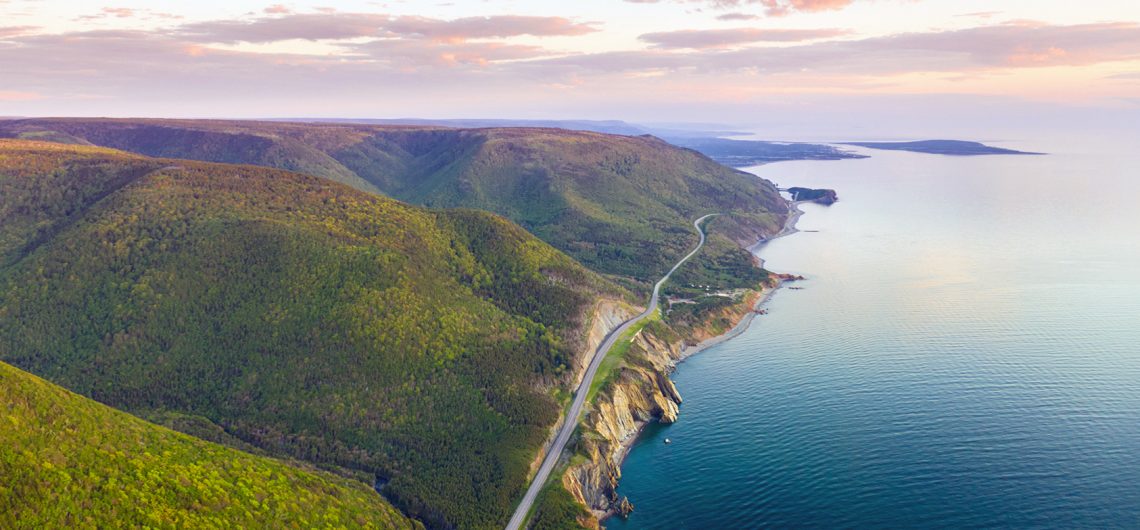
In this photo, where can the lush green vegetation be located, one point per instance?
(556, 508)
(69, 462)
(291, 316)
(721, 264)
(297, 315)
(612, 363)
(620, 205)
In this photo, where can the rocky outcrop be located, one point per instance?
(821, 196)
(640, 393)
(606, 315)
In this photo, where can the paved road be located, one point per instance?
(571, 422)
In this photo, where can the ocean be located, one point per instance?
(965, 352)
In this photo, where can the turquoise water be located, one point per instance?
(964, 353)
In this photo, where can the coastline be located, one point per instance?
(765, 293)
(745, 322)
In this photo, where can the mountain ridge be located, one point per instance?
(619, 204)
(301, 316)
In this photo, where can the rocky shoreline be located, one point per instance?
(643, 392)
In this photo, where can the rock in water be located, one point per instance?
(624, 507)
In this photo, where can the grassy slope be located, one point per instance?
(306, 318)
(621, 205)
(69, 462)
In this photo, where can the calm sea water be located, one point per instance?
(965, 353)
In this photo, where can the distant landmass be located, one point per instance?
(707, 139)
(742, 153)
(942, 147)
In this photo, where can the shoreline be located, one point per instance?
(765, 293)
(740, 327)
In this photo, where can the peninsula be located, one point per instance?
(942, 147)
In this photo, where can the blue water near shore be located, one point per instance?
(965, 353)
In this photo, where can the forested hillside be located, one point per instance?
(621, 205)
(69, 462)
(305, 318)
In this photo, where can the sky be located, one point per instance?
(807, 65)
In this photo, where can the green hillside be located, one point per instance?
(621, 205)
(303, 317)
(69, 462)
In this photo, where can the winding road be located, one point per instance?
(571, 422)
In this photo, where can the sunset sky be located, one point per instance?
(644, 60)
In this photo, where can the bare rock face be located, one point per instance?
(607, 315)
(641, 393)
(624, 507)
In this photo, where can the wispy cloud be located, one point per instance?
(737, 16)
(385, 59)
(981, 14)
(990, 47)
(785, 7)
(724, 38)
(14, 31)
(340, 26)
(11, 95)
(774, 8)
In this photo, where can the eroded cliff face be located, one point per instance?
(642, 392)
(606, 315)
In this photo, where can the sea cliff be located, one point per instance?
(640, 390)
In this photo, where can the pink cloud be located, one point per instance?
(981, 14)
(15, 31)
(967, 50)
(12, 95)
(163, 67)
(775, 8)
(784, 7)
(737, 16)
(277, 9)
(409, 55)
(340, 26)
(119, 12)
(724, 38)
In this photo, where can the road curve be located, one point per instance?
(571, 422)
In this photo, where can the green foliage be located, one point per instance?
(720, 265)
(556, 509)
(69, 462)
(617, 356)
(620, 205)
(302, 317)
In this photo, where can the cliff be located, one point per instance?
(606, 315)
(640, 392)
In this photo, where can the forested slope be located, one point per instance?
(69, 462)
(306, 318)
(621, 205)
